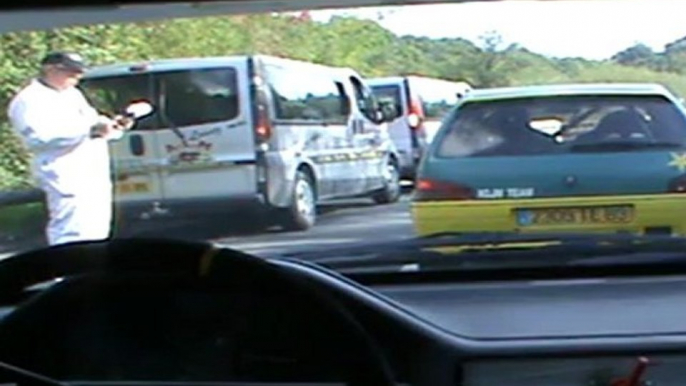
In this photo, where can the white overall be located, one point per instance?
(72, 168)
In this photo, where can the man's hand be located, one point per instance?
(101, 129)
(124, 122)
(107, 126)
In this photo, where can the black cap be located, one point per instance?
(66, 60)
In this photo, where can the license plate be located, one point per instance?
(620, 214)
(132, 187)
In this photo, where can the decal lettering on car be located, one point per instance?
(490, 193)
(197, 134)
(505, 193)
(520, 192)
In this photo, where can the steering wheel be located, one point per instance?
(197, 260)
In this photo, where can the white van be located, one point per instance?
(233, 131)
(420, 103)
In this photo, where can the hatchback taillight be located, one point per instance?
(432, 190)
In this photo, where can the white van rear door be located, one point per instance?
(135, 157)
(211, 154)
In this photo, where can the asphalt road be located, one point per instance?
(340, 222)
(345, 221)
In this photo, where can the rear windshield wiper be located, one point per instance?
(484, 250)
(623, 146)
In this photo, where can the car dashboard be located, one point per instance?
(137, 329)
(589, 331)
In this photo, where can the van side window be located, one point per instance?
(110, 95)
(195, 97)
(366, 101)
(306, 96)
(390, 94)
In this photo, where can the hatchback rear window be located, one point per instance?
(537, 126)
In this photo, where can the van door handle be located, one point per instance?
(136, 144)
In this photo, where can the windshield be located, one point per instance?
(285, 132)
(378, 193)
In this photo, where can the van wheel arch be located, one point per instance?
(309, 172)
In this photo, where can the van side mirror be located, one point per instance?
(139, 109)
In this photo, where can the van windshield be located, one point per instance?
(546, 125)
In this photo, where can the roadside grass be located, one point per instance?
(21, 221)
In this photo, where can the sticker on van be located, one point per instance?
(678, 161)
(197, 134)
(200, 152)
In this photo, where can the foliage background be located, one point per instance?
(342, 41)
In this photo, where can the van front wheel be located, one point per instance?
(302, 213)
(391, 190)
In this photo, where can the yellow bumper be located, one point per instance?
(650, 211)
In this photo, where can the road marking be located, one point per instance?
(281, 243)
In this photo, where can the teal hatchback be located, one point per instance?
(587, 157)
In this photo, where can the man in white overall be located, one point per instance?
(68, 140)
